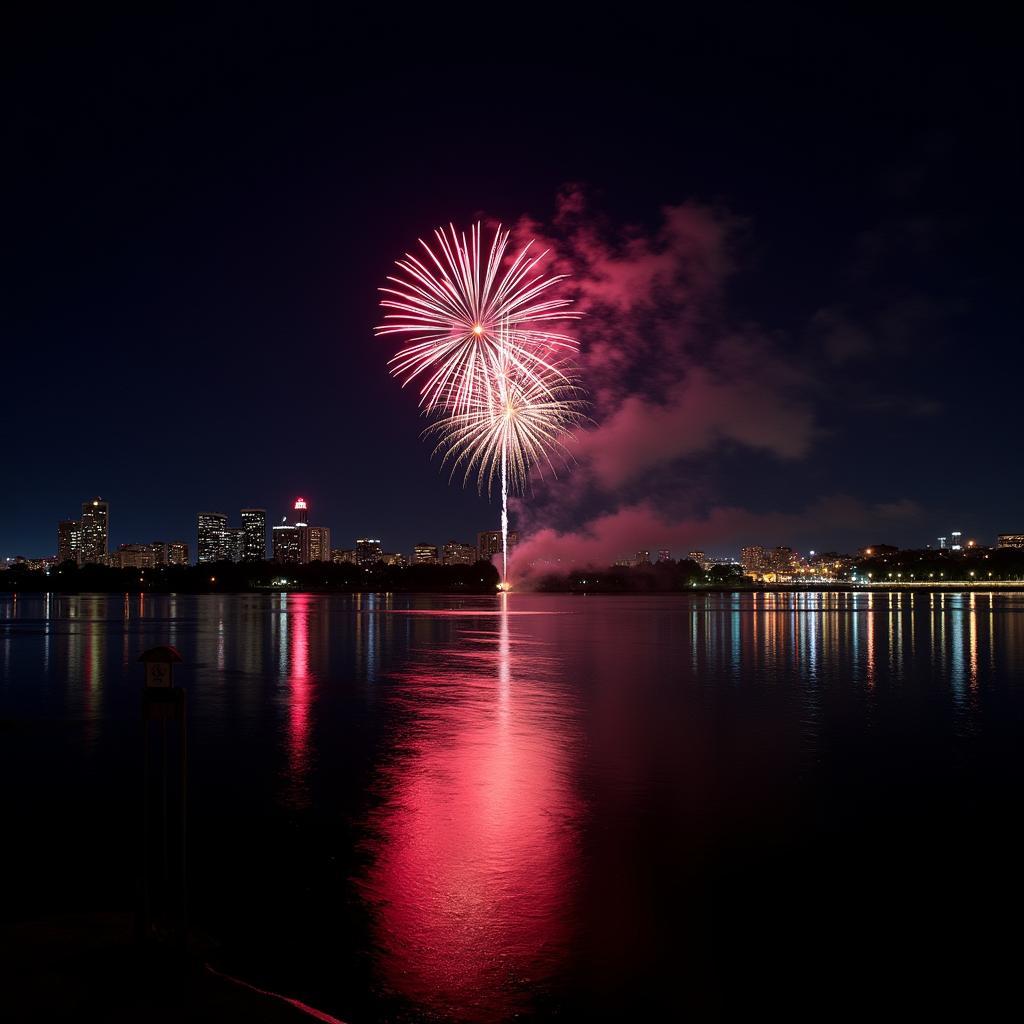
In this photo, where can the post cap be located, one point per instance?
(164, 653)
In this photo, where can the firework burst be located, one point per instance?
(464, 316)
(491, 368)
(512, 425)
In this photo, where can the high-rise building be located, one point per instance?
(343, 556)
(956, 536)
(754, 560)
(664, 555)
(318, 544)
(286, 543)
(314, 541)
(457, 553)
(643, 558)
(368, 551)
(254, 523)
(234, 543)
(69, 540)
(1011, 540)
(394, 558)
(94, 530)
(488, 543)
(943, 543)
(425, 554)
(211, 540)
(699, 557)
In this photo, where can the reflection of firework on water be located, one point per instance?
(497, 378)
(460, 314)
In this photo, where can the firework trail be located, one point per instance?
(511, 426)
(480, 338)
(462, 314)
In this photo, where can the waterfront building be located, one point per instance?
(234, 543)
(488, 543)
(95, 528)
(368, 551)
(1011, 540)
(134, 556)
(300, 520)
(211, 542)
(425, 554)
(700, 558)
(173, 552)
(177, 553)
(286, 543)
(254, 523)
(317, 544)
(69, 539)
(457, 553)
(754, 560)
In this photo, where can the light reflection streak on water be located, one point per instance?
(473, 859)
(282, 635)
(736, 637)
(871, 641)
(957, 671)
(973, 642)
(301, 687)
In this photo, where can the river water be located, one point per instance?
(407, 808)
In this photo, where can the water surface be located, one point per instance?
(433, 808)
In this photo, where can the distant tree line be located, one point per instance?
(658, 578)
(971, 565)
(230, 577)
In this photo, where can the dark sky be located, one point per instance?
(199, 215)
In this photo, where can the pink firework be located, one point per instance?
(463, 315)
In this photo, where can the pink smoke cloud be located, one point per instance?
(642, 526)
(673, 379)
(703, 412)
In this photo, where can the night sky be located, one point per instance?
(199, 217)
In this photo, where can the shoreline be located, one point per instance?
(1008, 586)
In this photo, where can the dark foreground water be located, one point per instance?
(416, 808)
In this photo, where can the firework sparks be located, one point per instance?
(492, 370)
(514, 424)
(464, 317)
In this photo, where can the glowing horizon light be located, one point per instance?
(461, 313)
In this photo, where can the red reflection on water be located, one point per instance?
(475, 849)
(300, 696)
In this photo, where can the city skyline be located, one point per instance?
(790, 347)
(300, 541)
